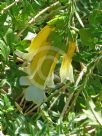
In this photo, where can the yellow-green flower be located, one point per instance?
(66, 70)
(41, 40)
(42, 58)
(43, 72)
(41, 61)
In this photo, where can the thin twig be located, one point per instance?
(42, 12)
(95, 115)
(31, 106)
(80, 76)
(48, 99)
(56, 92)
(66, 106)
(74, 28)
(32, 20)
(55, 100)
(9, 6)
(84, 70)
(73, 94)
(24, 105)
(18, 108)
(20, 96)
(74, 101)
(22, 100)
(31, 110)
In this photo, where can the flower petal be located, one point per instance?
(66, 70)
(50, 81)
(40, 38)
(37, 60)
(41, 73)
(24, 80)
(35, 94)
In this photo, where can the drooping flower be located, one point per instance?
(44, 71)
(66, 70)
(42, 59)
(40, 77)
(38, 42)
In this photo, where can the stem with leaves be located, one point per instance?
(9, 6)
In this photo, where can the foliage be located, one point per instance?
(72, 109)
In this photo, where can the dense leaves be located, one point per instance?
(71, 108)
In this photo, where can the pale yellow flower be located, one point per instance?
(66, 70)
(41, 57)
(38, 42)
(41, 61)
(41, 73)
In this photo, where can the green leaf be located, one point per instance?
(58, 21)
(95, 18)
(2, 19)
(97, 114)
(79, 19)
(57, 40)
(86, 37)
(94, 116)
(4, 50)
(40, 124)
(11, 39)
(63, 1)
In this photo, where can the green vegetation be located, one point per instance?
(71, 108)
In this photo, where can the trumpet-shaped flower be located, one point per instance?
(66, 70)
(41, 70)
(41, 61)
(38, 42)
(41, 76)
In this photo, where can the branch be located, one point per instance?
(55, 100)
(66, 106)
(42, 12)
(9, 6)
(73, 94)
(80, 76)
(32, 20)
